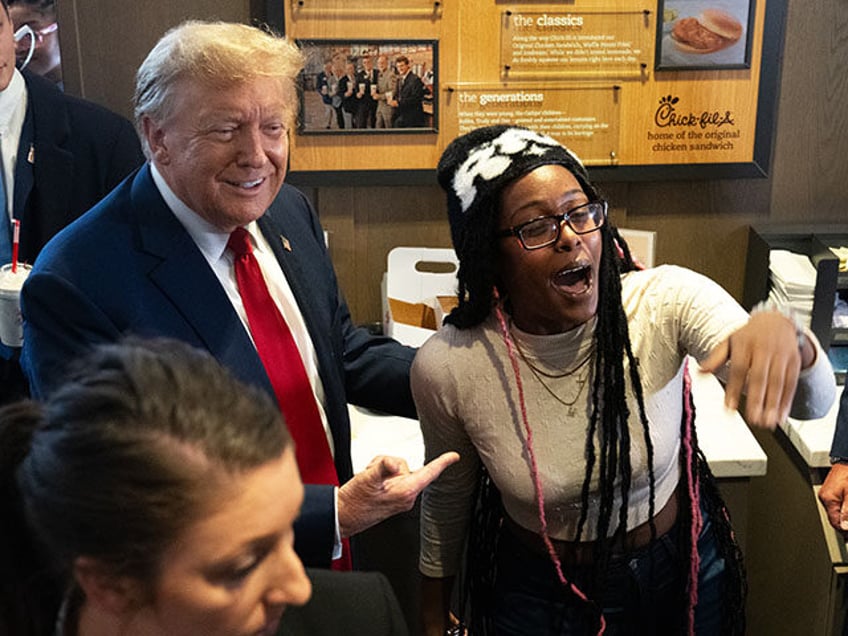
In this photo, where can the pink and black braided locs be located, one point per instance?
(609, 422)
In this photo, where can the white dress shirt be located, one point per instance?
(13, 107)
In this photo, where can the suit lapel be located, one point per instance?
(297, 275)
(24, 166)
(182, 274)
(46, 156)
(295, 263)
(299, 263)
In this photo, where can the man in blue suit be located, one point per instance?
(213, 103)
(60, 156)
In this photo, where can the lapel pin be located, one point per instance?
(285, 242)
(31, 154)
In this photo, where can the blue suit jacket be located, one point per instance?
(129, 267)
(839, 447)
(72, 153)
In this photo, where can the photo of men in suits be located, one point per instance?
(372, 94)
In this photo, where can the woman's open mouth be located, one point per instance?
(574, 280)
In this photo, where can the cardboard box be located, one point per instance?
(641, 244)
(419, 290)
(443, 306)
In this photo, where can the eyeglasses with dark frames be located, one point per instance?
(545, 230)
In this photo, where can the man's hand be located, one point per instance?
(765, 362)
(385, 488)
(834, 496)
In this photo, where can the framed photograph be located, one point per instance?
(369, 86)
(704, 34)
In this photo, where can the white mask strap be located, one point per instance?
(20, 34)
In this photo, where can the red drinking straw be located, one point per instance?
(16, 239)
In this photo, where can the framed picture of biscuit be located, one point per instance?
(368, 86)
(704, 34)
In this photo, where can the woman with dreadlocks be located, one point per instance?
(582, 499)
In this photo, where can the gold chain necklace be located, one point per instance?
(581, 380)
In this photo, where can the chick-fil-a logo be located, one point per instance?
(667, 116)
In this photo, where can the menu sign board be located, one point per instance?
(597, 44)
(627, 84)
(586, 119)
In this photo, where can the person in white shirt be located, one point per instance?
(59, 156)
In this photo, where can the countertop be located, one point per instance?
(812, 438)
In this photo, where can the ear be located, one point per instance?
(154, 134)
(107, 591)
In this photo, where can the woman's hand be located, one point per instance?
(765, 361)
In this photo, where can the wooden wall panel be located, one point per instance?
(365, 223)
(474, 42)
(104, 41)
(810, 174)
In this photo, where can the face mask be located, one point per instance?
(20, 34)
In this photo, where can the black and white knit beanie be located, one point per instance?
(475, 167)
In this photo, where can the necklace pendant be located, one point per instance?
(571, 411)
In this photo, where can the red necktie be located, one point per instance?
(284, 366)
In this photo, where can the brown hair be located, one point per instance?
(118, 461)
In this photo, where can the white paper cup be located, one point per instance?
(11, 322)
(362, 88)
(388, 96)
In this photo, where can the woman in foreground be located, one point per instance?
(150, 494)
